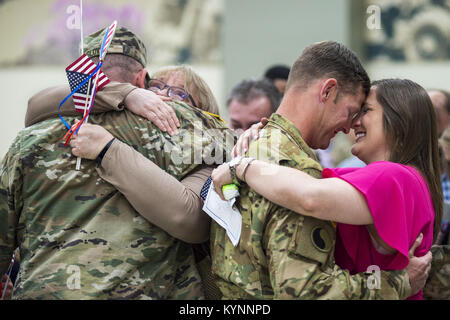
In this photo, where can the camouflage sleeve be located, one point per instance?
(298, 270)
(168, 203)
(438, 282)
(44, 104)
(11, 203)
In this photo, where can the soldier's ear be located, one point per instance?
(139, 80)
(327, 89)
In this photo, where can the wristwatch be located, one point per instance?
(233, 164)
(250, 160)
(103, 152)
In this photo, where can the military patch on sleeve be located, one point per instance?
(313, 239)
(321, 239)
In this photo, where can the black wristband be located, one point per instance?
(103, 152)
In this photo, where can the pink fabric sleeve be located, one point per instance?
(400, 203)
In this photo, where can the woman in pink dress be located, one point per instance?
(382, 208)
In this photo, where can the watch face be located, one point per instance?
(235, 161)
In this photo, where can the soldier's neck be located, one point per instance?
(297, 109)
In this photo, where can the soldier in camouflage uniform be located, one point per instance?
(282, 254)
(79, 238)
(438, 283)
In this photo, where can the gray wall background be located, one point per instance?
(257, 34)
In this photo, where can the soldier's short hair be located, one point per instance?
(251, 89)
(124, 67)
(329, 59)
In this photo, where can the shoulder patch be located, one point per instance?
(313, 239)
(321, 239)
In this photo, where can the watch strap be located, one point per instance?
(103, 152)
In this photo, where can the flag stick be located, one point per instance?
(102, 54)
(89, 97)
(9, 274)
(81, 26)
(78, 165)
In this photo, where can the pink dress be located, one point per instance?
(402, 208)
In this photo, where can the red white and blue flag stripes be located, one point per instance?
(107, 40)
(79, 71)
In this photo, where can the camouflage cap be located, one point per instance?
(124, 42)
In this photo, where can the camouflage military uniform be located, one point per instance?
(282, 254)
(66, 221)
(438, 283)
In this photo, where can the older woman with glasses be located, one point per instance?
(196, 91)
(175, 206)
(172, 92)
(179, 83)
(172, 205)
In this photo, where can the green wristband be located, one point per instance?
(230, 191)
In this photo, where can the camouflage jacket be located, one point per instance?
(79, 238)
(438, 282)
(282, 254)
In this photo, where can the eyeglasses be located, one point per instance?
(172, 92)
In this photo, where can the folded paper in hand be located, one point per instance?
(224, 214)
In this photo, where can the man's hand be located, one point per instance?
(250, 134)
(220, 177)
(9, 288)
(89, 141)
(152, 106)
(418, 267)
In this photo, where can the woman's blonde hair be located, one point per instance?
(193, 84)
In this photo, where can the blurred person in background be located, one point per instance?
(278, 74)
(444, 142)
(249, 101)
(441, 103)
(437, 286)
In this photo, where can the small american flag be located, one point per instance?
(77, 72)
(110, 34)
